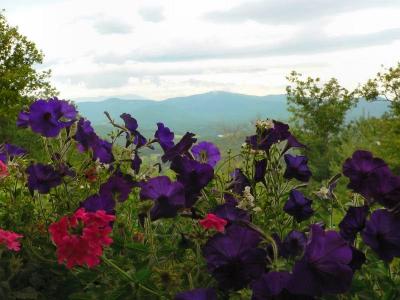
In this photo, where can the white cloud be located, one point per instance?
(103, 48)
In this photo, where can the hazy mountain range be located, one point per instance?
(208, 115)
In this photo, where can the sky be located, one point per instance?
(161, 49)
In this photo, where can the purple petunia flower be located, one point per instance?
(168, 196)
(239, 181)
(206, 152)
(382, 234)
(193, 175)
(181, 148)
(9, 151)
(293, 244)
(99, 202)
(296, 167)
(298, 206)
(267, 137)
(164, 136)
(233, 257)
(324, 268)
(130, 123)
(353, 222)
(357, 260)
(136, 163)
(369, 176)
(42, 178)
(260, 170)
(48, 117)
(231, 213)
(197, 294)
(270, 285)
(117, 187)
(102, 150)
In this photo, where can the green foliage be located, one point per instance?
(318, 113)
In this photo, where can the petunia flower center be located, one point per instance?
(47, 116)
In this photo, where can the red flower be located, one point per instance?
(3, 170)
(91, 174)
(80, 238)
(212, 221)
(9, 239)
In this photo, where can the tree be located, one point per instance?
(318, 113)
(385, 86)
(20, 82)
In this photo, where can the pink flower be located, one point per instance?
(80, 238)
(3, 170)
(9, 239)
(212, 221)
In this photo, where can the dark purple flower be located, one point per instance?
(292, 142)
(23, 119)
(9, 151)
(136, 163)
(85, 135)
(270, 285)
(353, 222)
(369, 176)
(293, 244)
(298, 206)
(324, 268)
(197, 294)
(260, 170)
(357, 260)
(48, 117)
(296, 167)
(239, 181)
(193, 175)
(231, 213)
(130, 123)
(206, 152)
(164, 136)
(382, 234)
(102, 150)
(265, 138)
(168, 196)
(181, 148)
(42, 178)
(99, 202)
(117, 187)
(233, 257)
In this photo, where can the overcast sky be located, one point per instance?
(160, 49)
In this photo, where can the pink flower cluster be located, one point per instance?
(213, 221)
(80, 238)
(3, 170)
(10, 240)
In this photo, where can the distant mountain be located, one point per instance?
(208, 114)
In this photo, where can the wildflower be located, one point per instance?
(118, 186)
(9, 151)
(324, 267)
(264, 124)
(231, 213)
(193, 175)
(353, 222)
(99, 202)
(42, 178)
(239, 181)
(369, 176)
(298, 206)
(164, 136)
(296, 167)
(181, 148)
(48, 117)
(247, 201)
(382, 234)
(206, 152)
(10, 240)
(80, 238)
(168, 196)
(212, 221)
(3, 170)
(266, 137)
(197, 294)
(260, 170)
(233, 257)
(270, 285)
